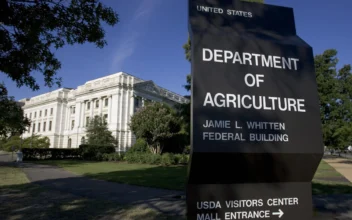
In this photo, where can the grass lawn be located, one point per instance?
(20, 199)
(173, 177)
(11, 176)
(326, 181)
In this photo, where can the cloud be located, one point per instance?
(128, 41)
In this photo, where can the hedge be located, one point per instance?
(87, 152)
(94, 152)
(50, 153)
(166, 159)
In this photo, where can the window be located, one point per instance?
(51, 111)
(73, 110)
(40, 113)
(87, 121)
(44, 125)
(106, 102)
(45, 112)
(35, 114)
(83, 140)
(106, 117)
(88, 105)
(72, 124)
(33, 128)
(50, 122)
(69, 143)
(30, 115)
(97, 104)
(38, 127)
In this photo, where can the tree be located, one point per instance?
(335, 95)
(155, 123)
(98, 133)
(35, 141)
(12, 120)
(30, 29)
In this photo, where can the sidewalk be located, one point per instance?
(341, 165)
(64, 181)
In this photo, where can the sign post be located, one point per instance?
(256, 130)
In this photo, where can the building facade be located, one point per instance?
(62, 115)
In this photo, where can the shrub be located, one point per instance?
(154, 159)
(140, 146)
(112, 157)
(184, 159)
(187, 150)
(50, 153)
(168, 159)
(94, 152)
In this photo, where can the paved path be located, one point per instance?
(59, 179)
(158, 199)
(341, 165)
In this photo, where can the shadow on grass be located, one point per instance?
(331, 188)
(32, 202)
(173, 177)
(62, 163)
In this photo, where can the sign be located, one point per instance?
(256, 130)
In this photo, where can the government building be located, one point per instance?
(62, 115)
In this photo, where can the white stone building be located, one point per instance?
(62, 115)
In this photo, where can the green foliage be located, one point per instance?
(187, 149)
(155, 123)
(98, 132)
(12, 120)
(95, 152)
(31, 29)
(335, 95)
(50, 153)
(35, 141)
(166, 159)
(140, 146)
(113, 157)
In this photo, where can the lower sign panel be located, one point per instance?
(287, 201)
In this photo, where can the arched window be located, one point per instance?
(83, 140)
(69, 143)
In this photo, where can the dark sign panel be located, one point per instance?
(256, 131)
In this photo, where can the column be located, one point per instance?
(62, 116)
(78, 115)
(126, 117)
(101, 103)
(69, 118)
(66, 116)
(131, 98)
(120, 117)
(91, 108)
(83, 110)
(118, 97)
(109, 109)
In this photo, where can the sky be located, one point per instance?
(147, 42)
